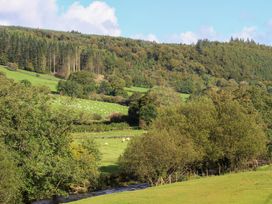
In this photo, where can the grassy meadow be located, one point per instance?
(114, 133)
(35, 79)
(254, 187)
(88, 106)
(134, 89)
(110, 148)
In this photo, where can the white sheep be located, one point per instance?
(106, 143)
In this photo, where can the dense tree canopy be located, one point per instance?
(137, 62)
(40, 140)
(205, 134)
(10, 175)
(144, 109)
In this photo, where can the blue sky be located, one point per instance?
(156, 20)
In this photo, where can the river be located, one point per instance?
(76, 197)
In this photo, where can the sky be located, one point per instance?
(170, 21)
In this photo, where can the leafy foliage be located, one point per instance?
(137, 62)
(11, 182)
(41, 143)
(206, 134)
(144, 109)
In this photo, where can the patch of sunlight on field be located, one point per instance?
(89, 106)
(110, 148)
(253, 187)
(35, 78)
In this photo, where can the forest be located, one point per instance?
(138, 62)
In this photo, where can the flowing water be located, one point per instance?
(71, 198)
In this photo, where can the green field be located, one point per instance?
(88, 106)
(110, 148)
(48, 80)
(134, 89)
(253, 187)
(52, 82)
(34, 78)
(114, 133)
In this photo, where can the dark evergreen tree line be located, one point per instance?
(145, 63)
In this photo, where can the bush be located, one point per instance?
(158, 158)
(26, 83)
(70, 88)
(11, 182)
(117, 118)
(186, 86)
(143, 110)
(12, 66)
(41, 142)
(113, 87)
(2, 74)
(147, 114)
(269, 89)
(79, 84)
(3, 59)
(84, 78)
(204, 135)
(97, 116)
(105, 88)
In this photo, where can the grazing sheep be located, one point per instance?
(106, 143)
(127, 138)
(123, 140)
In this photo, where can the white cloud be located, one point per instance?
(208, 32)
(27, 12)
(188, 38)
(149, 37)
(96, 18)
(247, 33)
(4, 23)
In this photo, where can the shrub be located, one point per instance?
(117, 118)
(186, 86)
(12, 66)
(2, 74)
(145, 109)
(97, 116)
(70, 88)
(11, 181)
(105, 88)
(84, 78)
(26, 83)
(79, 84)
(269, 89)
(147, 114)
(3, 59)
(204, 135)
(41, 142)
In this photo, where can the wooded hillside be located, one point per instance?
(145, 63)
